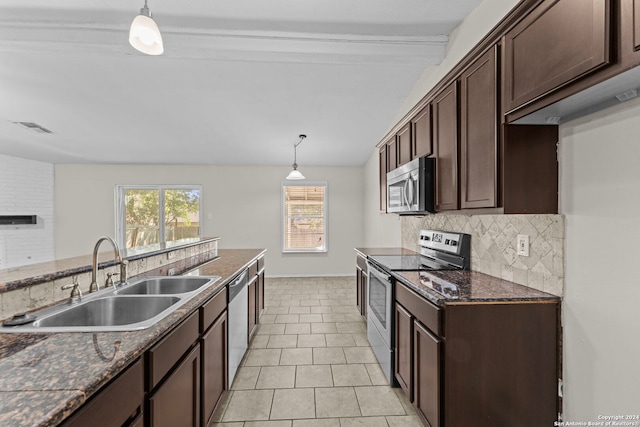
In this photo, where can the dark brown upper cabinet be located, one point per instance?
(392, 154)
(629, 22)
(479, 133)
(421, 133)
(403, 140)
(636, 24)
(445, 147)
(382, 168)
(557, 43)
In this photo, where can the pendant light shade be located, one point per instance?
(295, 174)
(144, 34)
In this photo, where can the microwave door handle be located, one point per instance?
(410, 198)
(404, 193)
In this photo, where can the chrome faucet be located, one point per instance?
(94, 265)
(76, 293)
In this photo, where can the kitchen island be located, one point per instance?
(44, 378)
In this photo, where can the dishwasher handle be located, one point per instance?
(236, 286)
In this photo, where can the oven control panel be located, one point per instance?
(441, 240)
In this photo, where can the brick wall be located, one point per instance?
(26, 188)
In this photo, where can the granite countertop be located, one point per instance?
(472, 287)
(45, 377)
(32, 274)
(384, 251)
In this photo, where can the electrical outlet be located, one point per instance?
(171, 255)
(522, 244)
(172, 272)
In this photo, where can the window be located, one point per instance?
(304, 210)
(149, 215)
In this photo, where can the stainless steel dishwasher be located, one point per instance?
(238, 332)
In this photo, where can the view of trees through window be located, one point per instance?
(154, 215)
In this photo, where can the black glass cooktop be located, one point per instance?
(408, 263)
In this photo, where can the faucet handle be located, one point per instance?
(109, 281)
(76, 293)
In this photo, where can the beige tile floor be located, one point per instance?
(310, 365)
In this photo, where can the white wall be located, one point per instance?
(243, 202)
(382, 230)
(600, 196)
(26, 188)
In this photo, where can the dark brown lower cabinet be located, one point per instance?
(214, 366)
(361, 291)
(482, 365)
(177, 401)
(361, 285)
(426, 383)
(253, 322)
(119, 404)
(260, 302)
(404, 350)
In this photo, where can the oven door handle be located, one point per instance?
(379, 272)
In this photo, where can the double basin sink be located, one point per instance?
(137, 305)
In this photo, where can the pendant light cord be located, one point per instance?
(295, 146)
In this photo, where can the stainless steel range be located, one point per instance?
(438, 250)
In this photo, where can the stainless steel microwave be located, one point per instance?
(411, 187)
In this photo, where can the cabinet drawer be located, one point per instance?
(164, 355)
(115, 404)
(427, 313)
(213, 308)
(260, 263)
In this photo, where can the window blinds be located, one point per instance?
(304, 218)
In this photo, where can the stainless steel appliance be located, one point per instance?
(238, 332)
(410, 188)
(439, 250)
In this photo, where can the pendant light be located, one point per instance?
(144, 34)
(295, 173)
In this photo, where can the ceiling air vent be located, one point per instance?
(33, 127)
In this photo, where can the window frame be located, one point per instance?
(325, 216)
(120, 211)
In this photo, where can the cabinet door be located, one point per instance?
(421, 133)
(403, 349)
(364, 286)
(426, 374)
(260, 302)
(479, 133)
(445, 131)
(629, 33)
(556, 43)
(359, 299)
(252, 306)
(177, 401)
(636, 25)
(392, 155)
(214, 366)
(382, 157)
(403, 138)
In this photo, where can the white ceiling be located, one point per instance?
(238, 82)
